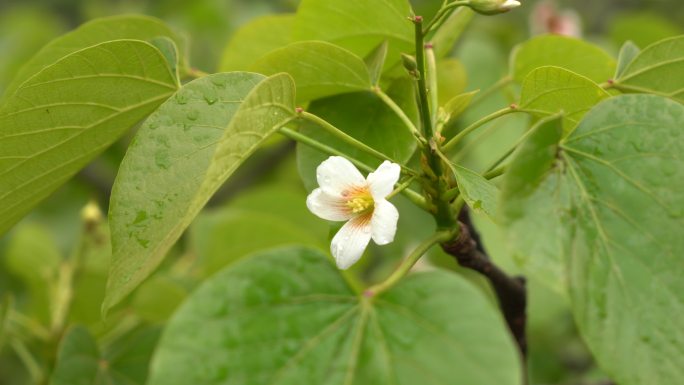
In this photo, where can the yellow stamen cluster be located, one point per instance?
(360, 203)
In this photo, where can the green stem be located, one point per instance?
(442, 15)
(431, 63)
(413, 196)
(29, 361)
(444, 217)
(495, 173)
(401, 114)
(494, 115)
(407, 264)
(401, 187)
(344, 137)
(508, 153)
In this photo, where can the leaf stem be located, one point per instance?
(401, 114)
(401, 187)
(408, 262)
(484, 120)
(339, 134)
(413, 196)
(442, 15)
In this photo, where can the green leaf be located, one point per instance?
(375, 60)
(479, 193)
(67, 114)
(550, 90)
(357, 25)
(136, 27)
(658, 69)
(180, 157)
(80, 362)
(451, 80)
(255, 39)
(572, 54)
(628, 52)
(615, 193)
(380, 128)
(533, 205)
(458, 104)
(287, 317)
(319, 69)
(170, 51)
(448, 34)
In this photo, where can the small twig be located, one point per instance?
(511, 292)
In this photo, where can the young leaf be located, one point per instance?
(289, 313)
(628, 52)
(375, 61)
(550, 90)
(380, 128)
(658, 69)
(458, 104)
(572, 54)
(95, 32)
(609, 203)
(255, 39)
(479, 193)
(69, 112)
(180, 157)
(357, 25)
(319, 69)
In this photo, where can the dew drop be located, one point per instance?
(210, 96)
(193, 115)
(181, 98)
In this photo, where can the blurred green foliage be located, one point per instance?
(34, 252)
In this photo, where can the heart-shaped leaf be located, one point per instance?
(287, 317)
(610, 203)
(319, 69)
(95, 32)
(180, 157)
(658, 69)
(357, 25)
(551, 90)
(69, 112)
(255, 39)
(572, 54)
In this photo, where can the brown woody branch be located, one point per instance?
(511, 292)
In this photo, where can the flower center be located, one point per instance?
(360, 203)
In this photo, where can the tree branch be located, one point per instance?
(511, 292)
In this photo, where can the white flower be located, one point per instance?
(345, 195)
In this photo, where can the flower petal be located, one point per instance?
(336, 175)
(384, 222)
(382, 180)
(328, 207)
(349, 243)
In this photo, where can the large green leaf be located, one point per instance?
(621, 173)
(287, 317)
(357, 25)
(533, 206)
(380, 128)
(80, 361)
(658, 69)
(550, 90)
(98, 31)
(628, 52)
(572, 54)
(180, 157)
(69, 112)
(319, 69)
(255, 39)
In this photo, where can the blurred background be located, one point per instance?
(31, 254)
